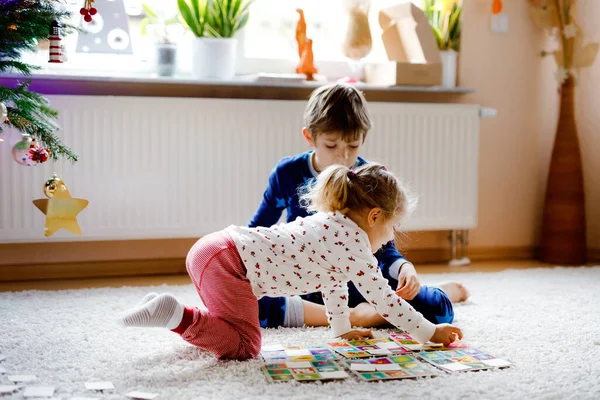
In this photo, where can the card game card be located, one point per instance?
(394, 367)
(467, 359)
(304, 371)
(367, 348)
(274, 353)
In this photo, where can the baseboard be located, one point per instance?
(83, 260)
(90, 270)
(442, 255)
(92, 252)
(106, 266)
(594, 255)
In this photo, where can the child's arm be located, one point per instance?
(390, 261)
(337, 310)
(400, 272)
(368, 279)
(272, 205)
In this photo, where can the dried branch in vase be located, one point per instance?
(558, 18)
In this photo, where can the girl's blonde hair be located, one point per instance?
(339, 188)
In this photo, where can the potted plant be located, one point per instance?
(444, 19)
(162, 32)
(215, 24)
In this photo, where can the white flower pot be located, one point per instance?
(214, 58)
(449, 58)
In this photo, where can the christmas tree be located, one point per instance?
(22, 24)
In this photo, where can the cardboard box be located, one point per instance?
(411, 48)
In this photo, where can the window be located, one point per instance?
(267, 43)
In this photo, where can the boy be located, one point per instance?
(336, 125)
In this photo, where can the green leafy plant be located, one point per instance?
(193, 13)
(444, 19)
(214, 18)
(227, 17)
(154, 18)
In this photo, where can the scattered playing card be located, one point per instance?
(273, 347)
(83, 398)
(387, 367)
(379, 352)
(99, 385)
(362, 367)
(38, 391)
(387, 345)
(141, 395)
(21, 378)
(334, 374)
(298, 364)
(2, 370)
(455, 367)
(8, 388)
(297, 352)
(413, 347)
(497, 362)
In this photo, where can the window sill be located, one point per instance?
(239, 88)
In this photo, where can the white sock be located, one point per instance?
(147, 298)
(162, 311)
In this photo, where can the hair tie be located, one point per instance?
(383, 168)
(351, 174)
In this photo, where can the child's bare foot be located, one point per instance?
(455, 291)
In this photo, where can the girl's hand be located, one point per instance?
(358, 334)
(446, 334)
(408, 282)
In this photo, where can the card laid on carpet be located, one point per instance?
(303, 371)
(367, 348)
(136, 394)
(99, 385)
(39, 391)
(277, 353)
(21, 378)
(394, 367)
(9, 388)
(406, 341)
(83, 398)
(463, 360)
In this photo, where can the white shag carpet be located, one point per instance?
(546, 321)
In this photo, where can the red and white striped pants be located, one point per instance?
(230, 328)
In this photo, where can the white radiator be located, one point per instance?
(166, 168)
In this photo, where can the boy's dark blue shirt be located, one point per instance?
(287, 179)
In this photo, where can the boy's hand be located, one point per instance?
(446, 334)
(358, 334)
(408, 282)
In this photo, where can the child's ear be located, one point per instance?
(374, 214)
(308, 137)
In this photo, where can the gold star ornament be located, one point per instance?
(60, 208)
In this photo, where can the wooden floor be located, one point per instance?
(479, 266)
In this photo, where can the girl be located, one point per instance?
(356, 213)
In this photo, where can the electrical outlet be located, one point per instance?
(500, 22)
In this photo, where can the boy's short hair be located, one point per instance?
(337, 108)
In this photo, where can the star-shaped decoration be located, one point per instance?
(60, 208)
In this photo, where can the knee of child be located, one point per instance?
(252, 346)
(444, 319)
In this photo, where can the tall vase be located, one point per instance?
(563, 240)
